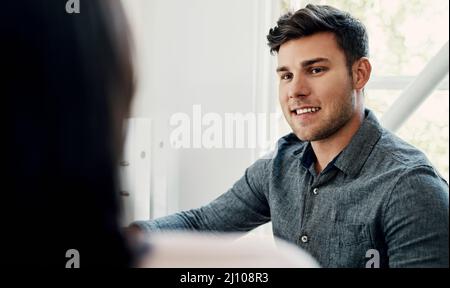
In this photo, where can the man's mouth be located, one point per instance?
(307, 110)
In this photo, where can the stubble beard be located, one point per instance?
(341, 115)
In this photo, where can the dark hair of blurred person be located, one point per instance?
(68, 83)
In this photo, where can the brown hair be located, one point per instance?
(350, 33)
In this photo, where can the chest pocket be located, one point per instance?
(351, 242)
(351, 234)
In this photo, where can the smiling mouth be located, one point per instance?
(305, 110)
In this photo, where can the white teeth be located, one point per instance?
(307, 110)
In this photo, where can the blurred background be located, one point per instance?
(213, 53)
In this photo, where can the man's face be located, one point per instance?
(315, 89)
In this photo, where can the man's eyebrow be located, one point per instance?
(282, 69)
(305, 63)
(310, 62)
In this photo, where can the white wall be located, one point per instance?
(207, 52)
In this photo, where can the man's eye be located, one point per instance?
(286, 76)
(317, 70)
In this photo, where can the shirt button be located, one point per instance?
(304, 238)
(316, 191)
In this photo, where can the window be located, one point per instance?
(404, 35)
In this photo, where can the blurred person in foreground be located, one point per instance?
(67, 86)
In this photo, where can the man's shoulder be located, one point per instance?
(396, 152)
(288, 145)
(287, 148)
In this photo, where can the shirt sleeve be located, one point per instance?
(241, 208)
(416, 220)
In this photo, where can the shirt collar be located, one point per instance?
(353, 157)
(308, 158)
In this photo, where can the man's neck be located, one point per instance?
(327, 149)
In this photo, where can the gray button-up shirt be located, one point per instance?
(378, 193)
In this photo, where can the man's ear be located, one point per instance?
(362, 70)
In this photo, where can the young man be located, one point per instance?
(340, 186)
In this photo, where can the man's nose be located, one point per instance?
(298, 88)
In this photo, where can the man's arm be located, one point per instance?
(416, 220)
(241, 208)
